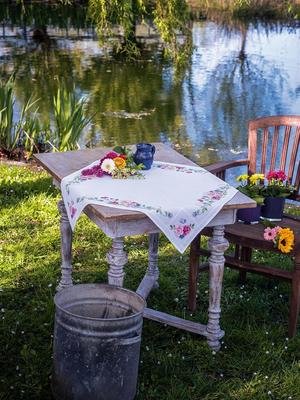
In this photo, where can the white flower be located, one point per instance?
(108, 165)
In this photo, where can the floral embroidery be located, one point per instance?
(183, 229)
(180, 168)
(209, 198)
(78, 179)
(125, 203)
(72, 209)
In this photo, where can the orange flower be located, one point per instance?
(120, 163)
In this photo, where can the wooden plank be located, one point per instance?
(285, 147)
(274, 148)
(294, 154)
(264, 150)
(252, 149)
(179, 323)
(258, 269)
(278, 120)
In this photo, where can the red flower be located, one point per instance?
(111, 154)
(277, 175)
(186, 229)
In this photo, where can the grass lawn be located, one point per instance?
(256, 361)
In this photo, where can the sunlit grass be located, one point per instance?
(256, 360)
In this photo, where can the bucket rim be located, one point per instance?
(99, 319)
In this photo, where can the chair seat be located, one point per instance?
(253, 235)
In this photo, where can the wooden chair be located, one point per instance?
(276, 139)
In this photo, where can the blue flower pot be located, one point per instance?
(249, 215)
(272, 210)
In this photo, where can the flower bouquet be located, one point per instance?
(252, 187)
(283, 238)
(275, 192)
(118, 164)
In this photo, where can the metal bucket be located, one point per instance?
(97, 339)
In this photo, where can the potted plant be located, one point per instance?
(252, 187)
(275, 192)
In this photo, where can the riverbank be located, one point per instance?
(266, 9)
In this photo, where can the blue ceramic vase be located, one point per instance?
(144, 154)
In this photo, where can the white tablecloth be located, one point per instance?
(181, 200)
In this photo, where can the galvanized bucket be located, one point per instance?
(97, 339)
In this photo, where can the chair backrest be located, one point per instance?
(273, 144)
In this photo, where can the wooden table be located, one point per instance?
(117, 223)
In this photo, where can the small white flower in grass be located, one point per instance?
(178, 341)
(267, 352)
(280, 296)
(17, 368)
(206, 291)
(285, 347)
(266, 377)
(287, 339)
(191, 315)
(50, 285)
(2, 310)
(221, 375)
(269, 392)
(158, 362)
(183, 357)
(169, 355)
(108, 165)
(254, 373)
(141, 362)
(267, 333)
(176, 299)
(147, 348)
(275, 287)
(290, 398)
(241, 296)
(213, 353)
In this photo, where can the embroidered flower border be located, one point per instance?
(179, 168)
(126, 203)
(209, 198)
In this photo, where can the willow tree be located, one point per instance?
(171, 18)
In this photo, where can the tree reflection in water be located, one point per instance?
(203, 120)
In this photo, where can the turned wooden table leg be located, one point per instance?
(217, 246)
(153, 270)
(150, 279)
(117, 258)
(66, 237)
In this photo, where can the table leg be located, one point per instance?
(217, 246)
(117, 258)
(66, 237)
(153, 270)
(150, 279)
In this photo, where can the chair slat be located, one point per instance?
(297, 180)
(264, 150)
(274, 148)
(287, 133)
(294, 153)
(252, 148)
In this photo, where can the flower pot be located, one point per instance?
(249, 215)
(272, 210)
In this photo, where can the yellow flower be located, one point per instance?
(120, 162)
(242, 177)
(286, 240)
(255, 178)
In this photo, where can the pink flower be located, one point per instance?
(111, 155)
(277, 175)
(186, 230)
(271, 233)
(179, 230)
(87, 172)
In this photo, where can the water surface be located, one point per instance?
(237, 72)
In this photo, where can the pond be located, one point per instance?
(238, 71)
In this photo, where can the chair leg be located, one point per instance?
(295, 298)
(246, 254)
(193, 272)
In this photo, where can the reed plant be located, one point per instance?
(70, 119)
